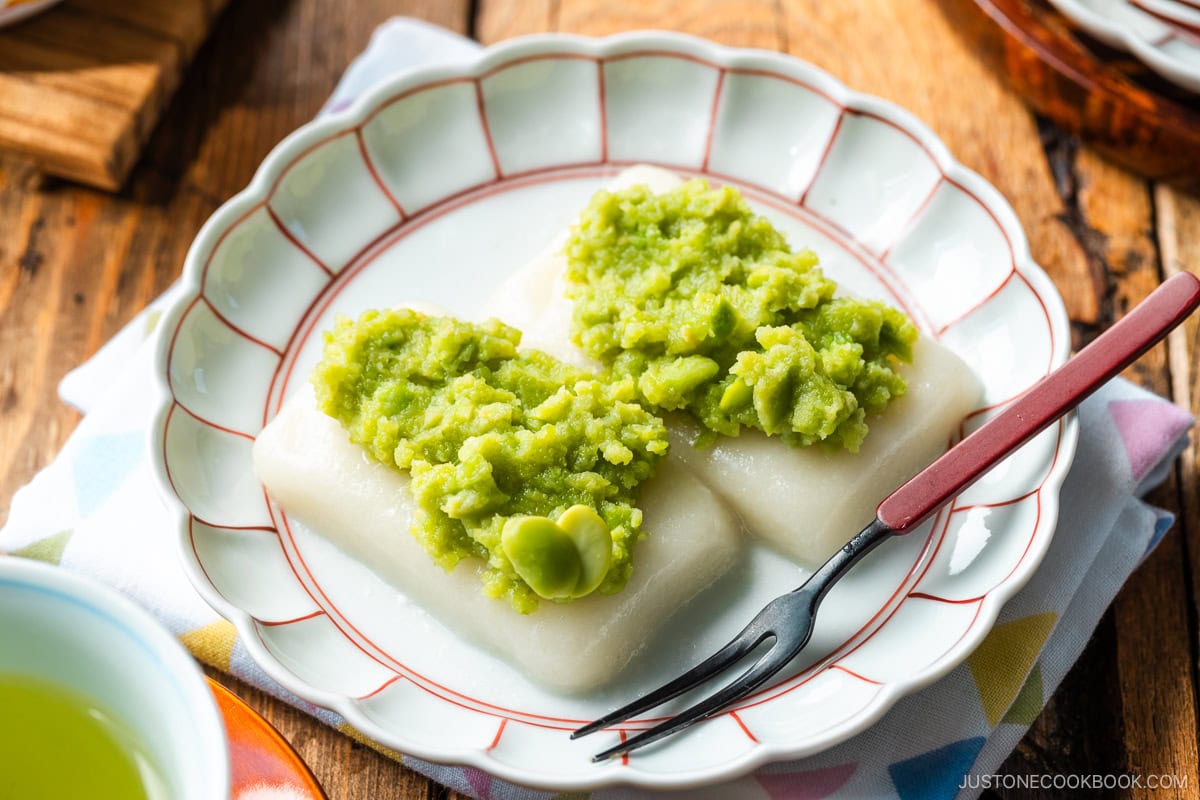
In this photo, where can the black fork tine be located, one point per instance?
(759, 673)
(788, 619)
(749, 638)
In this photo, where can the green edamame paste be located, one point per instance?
(491, 435)
(704, 306)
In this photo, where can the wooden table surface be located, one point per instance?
(75, 264)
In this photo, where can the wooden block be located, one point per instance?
(82, 85)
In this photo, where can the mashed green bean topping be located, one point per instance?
(702, 304)
(516, 458)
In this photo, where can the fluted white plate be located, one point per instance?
(435, 187)
(1141, 27)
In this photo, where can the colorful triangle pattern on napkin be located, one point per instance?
(936, 775)
(213, 643)
(1029, 701)
(1001, 663)
(49, 549)
(1162, 524)
(102, 463)
(1147, 428)
(809, 784)
(480, 782)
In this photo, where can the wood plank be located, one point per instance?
(743, 24)
(1158, 700)
(82, 86)
(103, 38)
(1158, 694)
(1178, 228)
(1155, 664)
(73, 152)
(47, 64)
(177, 22)
(508, 18)
(908, 53)
(66, 112)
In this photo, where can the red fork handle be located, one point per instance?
(1050, 398)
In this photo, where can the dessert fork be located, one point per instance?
(787, 621)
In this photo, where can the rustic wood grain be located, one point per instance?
(75, 264)
(1117, 223)
(740, 24)
(1114, 100)
(909, 53)
(504, 20)
(1178, 229)
(1178, 225)
(1154, 606)
(82, 85)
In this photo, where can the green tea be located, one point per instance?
(57, 744)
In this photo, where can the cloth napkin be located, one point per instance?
(95, 510)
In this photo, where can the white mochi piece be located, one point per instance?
(534, 299)
(534, 302)
(806, 502)
(311, 470)
(809, 501)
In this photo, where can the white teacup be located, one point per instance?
(76, 633)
